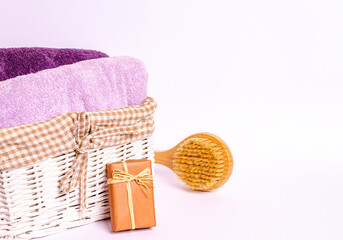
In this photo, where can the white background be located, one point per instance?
(266, 76)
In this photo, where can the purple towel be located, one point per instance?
(21, 61)
(97, 84)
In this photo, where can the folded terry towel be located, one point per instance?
(21, 61)
(97, 84)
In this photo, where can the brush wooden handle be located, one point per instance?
(165, 158)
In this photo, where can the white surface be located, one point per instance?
(264, 75)
(257, 203)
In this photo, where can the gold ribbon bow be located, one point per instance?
(119, 176)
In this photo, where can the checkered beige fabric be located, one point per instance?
(77, 131)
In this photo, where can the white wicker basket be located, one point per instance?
(32, 205)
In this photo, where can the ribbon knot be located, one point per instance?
(81, 150)
(141, 178)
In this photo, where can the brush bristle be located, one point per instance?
(199, 162)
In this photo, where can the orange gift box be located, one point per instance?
(131, 194)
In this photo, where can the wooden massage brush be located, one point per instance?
(203, 161)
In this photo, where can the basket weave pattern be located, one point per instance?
(32, 204)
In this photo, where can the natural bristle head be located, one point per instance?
(200, 163)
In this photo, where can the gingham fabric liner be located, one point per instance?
(76, 131)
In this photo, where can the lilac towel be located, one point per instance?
(21, 61)
(97, 84)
